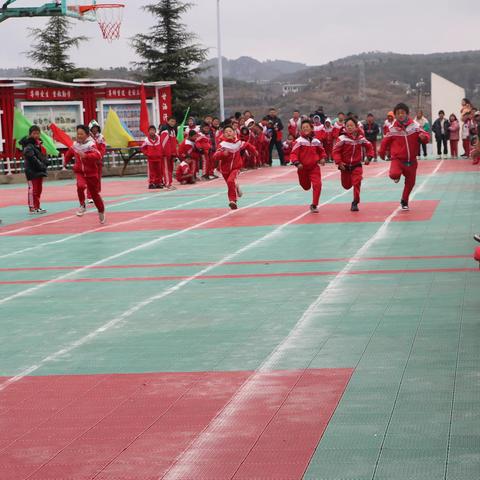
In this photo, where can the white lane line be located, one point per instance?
(115, 205)
(125, 222)
(211, 437)
(135, 308)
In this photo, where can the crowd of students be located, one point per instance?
(213, 148)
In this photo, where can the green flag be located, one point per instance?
(181, 127)
(21, 125)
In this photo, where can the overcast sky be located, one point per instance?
(308, 31)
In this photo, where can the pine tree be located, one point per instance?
(168, 52)
(50, 46)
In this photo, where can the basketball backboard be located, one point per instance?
(72, 8)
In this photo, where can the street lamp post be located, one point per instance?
(220, 65)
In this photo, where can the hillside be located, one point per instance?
(248, 69)
(388, 78)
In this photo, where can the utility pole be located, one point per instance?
(220, 65)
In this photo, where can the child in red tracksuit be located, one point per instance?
(187, 149)
(348, 154)
(168, 137)
(327, 140)
(229, 159)
(87, 159)
(96, 134)
(475, 151)
(287, 148)
(152, 149)
(307, 155)
(402, 142)
(185, 174)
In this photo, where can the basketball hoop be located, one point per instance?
(109, 17)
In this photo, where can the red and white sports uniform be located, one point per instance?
(295, 127)
(249, 160)
(203, 147)
(87, 159)
(349, 153)
(327, 140)
(153, 150)
(402, 142)
(101, 144)
(168, 137)
(338, 129)
(184, 173)
(319, 132)
(287, 150)
(308, 151)
(230, 162)
(387, 125)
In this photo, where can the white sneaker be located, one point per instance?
(239, 191)
(81, 211)
(101, 217)
(90, 201)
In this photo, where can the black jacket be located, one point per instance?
(437, 128)
(277, 126)
(371, 131)
(35, 162)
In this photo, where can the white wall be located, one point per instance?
(446, 96)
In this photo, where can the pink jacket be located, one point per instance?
(454, 130)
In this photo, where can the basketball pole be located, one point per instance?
(220, 65)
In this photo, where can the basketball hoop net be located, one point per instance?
(109, 17)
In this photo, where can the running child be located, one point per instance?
(152, 149)
(96, 134)
(348, 154)
(327, 140)
(36, 163)
(229, 159)
(307, 155)
(402, 142)
(87, 159)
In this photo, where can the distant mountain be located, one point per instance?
(248, 69)
(12, 72)
(372, 81)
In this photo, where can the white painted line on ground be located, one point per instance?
(105, 227)
(135, 308)
(211, 437)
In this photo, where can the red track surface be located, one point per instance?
(248, 217)
(131, 427)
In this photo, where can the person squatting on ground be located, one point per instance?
(185, 173)
(152, 149)
(87, 159)
(36, 164)
(350, 150)
(230, 162)
(307, 155)
(402, 142)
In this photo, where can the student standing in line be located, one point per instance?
(441, 130)
(454, 129)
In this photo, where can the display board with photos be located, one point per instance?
(65, 115)
(129, 113)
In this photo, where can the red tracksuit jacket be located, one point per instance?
(87, 158)
(168, 138)
(100, 142)
(308, 151)
(337, 130)
(294, 127)
(182, 170)
(351, 150)
(229, 155)
(152, 149)
(403, 141)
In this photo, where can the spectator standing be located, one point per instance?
(442, 133)
(277, 135)
(454, 129)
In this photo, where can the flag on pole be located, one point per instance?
(144, 120)
(181, 127)
(21, 126)
(114, 133)
(60, 136)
